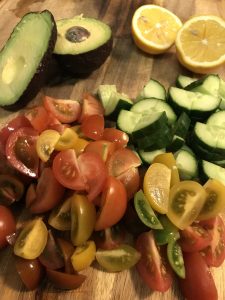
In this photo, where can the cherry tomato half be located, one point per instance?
(30, 271)
(38, 117)
(214, 254)
(21, 152)
(7, 224)
(90, 106)
(116, 136)
(198, 282)
(11, 189)
(110, 238)
(48, 195)
(194, 238)
(67, 172)
(131, 181)
(66, 111)
(153, 267)
(83, 256)
(113, 204)
(14, 124)
(94, 172)
(101, 147)
(93, 126)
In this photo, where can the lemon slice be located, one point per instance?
(200, 43)
(154, 28)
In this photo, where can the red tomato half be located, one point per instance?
(93, 127)
(21, 151)
(49, 193)
(198, 283)
(121, 161)
(91, 106)
(103, 148)
(117, 136)
(94, 172)
(7, 224)
(16, 123)
(67, 172)
(153, 267)
(131, 181)
(214, 254)
(194, 238)
(66, 111)
(38, 117)
(113, 204)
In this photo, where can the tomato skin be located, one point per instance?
(194, 238)
(66, 170)
(90, 106)
(101, 147)
(31, 272)
(47, 195)
(152, 267)
(38, 117)
(7, 225)
(94, 172)
(65, 111)
(14, 124)
(131, 181)
(113, 204)
(122, 160)
(93, 126)
(214, 254)
(116, 136)
(198, 283)
(21, 152)
(67, 250)
(11, 189)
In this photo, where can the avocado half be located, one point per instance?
(24, 59)
(83, 44)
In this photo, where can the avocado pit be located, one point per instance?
(77, 34)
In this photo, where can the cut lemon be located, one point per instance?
(154, 28)
(200, 43)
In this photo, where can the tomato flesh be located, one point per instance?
(21, 152)
(65, 111)
(38, 117)
(152, 267)
(66, 170)
(214, 254)
(101, 147)
(90, 106)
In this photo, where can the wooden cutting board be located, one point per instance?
(129, 69)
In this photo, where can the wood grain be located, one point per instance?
(129, 69)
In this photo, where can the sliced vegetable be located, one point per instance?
(152, 89)
(145, 212)
(60, 217)
(93, 126)
(7, 225)
(116, 136)
(156, 186)
(11, 189)
(168, 233)
(31, 240)
(67, 140)
(175, 257)
(46, 143)
(83, 256)
(119, 259)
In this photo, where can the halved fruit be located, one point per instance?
(200, 43)
(154, 28)
(83, 44)
(25, 58)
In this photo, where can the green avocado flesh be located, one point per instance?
(80, 35)
(22, 55)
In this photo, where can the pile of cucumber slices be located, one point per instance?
(187, 120)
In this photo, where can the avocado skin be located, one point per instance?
(87, 62)
(40, 76)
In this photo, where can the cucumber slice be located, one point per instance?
(127, 120)
(210, 170)
(104, 93)
(212, 138)
(217, 119)
(148, 156)
(208, 85)
(117, 101)
(206, 154)
(153, 89)
(195, 104)
(187, 164)
(183, 81)
(176, 144)
(220, 163)
(222, 94)
(149, 106)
